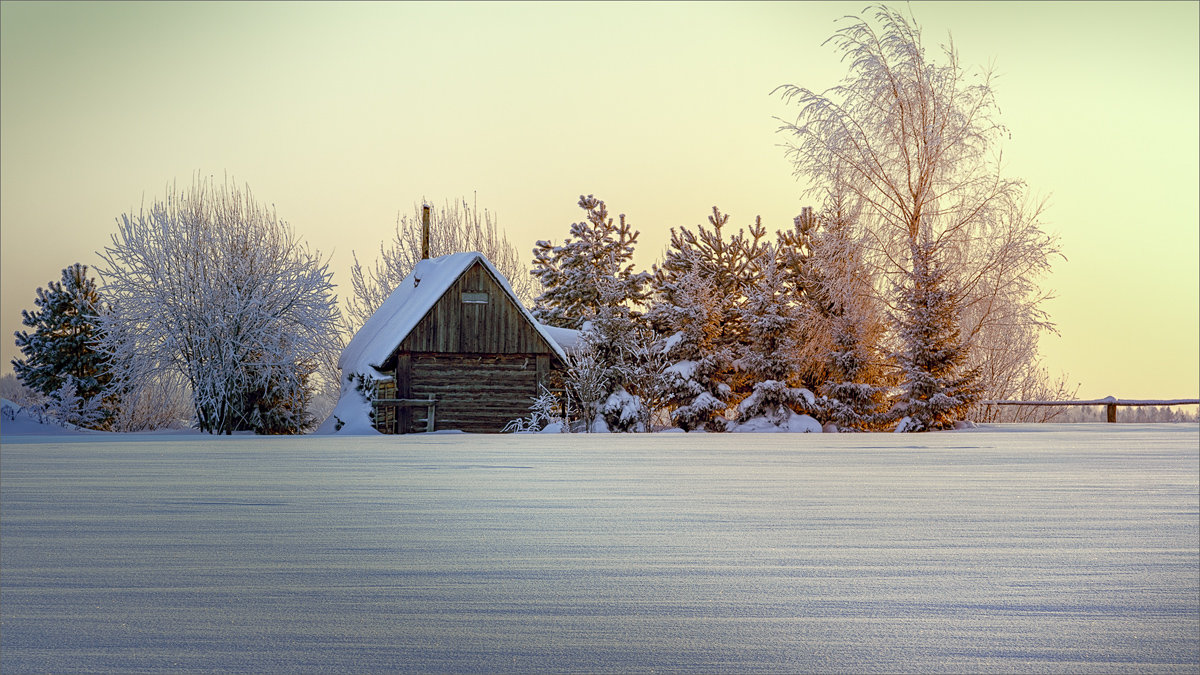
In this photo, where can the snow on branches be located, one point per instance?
(592, 269)
(455, 227)
(912, 143)
(938, 387)
(210, 284)
(63, 359)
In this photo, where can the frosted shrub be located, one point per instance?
(211, 286)
(586, 383)
(73, 410)
(623, 412)
(543, 414)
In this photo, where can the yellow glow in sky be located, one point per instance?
(343, 114)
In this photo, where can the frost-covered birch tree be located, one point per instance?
(455, 227)
(211, 285)
(915, 142)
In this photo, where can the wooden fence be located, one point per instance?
(1111, 403)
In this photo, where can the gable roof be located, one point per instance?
(408, 304)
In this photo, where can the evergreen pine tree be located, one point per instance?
(850, 325)
(809, 285)
(937, 388)
(855, 393)
(63, 347)
(610, 334)
(770, 347)
(703, 276)
(695, 384)
(593, 268)
(590, 285)
(768, 318)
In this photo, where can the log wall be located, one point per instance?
(475, 393)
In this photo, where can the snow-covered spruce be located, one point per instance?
(694, 382)
(590, 284)
(63, 361)
(700, 399)
(592, 269)
(697, 290)
(847, 314)
(937, 389)
(773, 406)
(768, 317)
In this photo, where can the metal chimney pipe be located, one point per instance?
(425, 232)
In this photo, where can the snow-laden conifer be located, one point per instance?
(845, 321)
(590, 284)
(695, 381)
(696, 291)
(768, 316)
(591, 269)
(938, 387)
(62, 356)
(770, 348)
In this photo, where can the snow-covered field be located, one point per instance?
(1029, 549)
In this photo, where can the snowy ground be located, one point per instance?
(1047, 548)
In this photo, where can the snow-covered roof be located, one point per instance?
(408, 304)
(567, 338)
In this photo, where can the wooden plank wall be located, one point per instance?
(478, 393)
(452, 326)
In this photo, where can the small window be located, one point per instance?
(475, 297)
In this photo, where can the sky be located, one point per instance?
(344, 115)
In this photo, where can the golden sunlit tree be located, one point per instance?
(914, 142)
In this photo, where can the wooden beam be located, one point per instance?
(543, 372)
(403, 390)
(1110, 404)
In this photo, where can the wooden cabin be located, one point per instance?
(453, 348)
